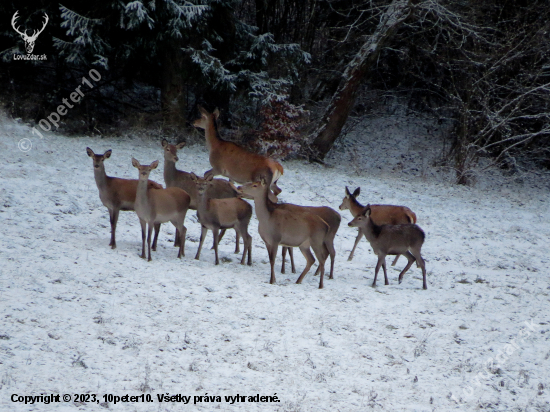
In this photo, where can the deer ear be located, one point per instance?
(357, 191)
(216, 113)
(180, 145)
(164, 143)
(90, 152)
(135, 163)
(202, 110)
(154, 164)
(367, 211)
(209, 178)
(262, 181)
(107, 154)
(348, 194)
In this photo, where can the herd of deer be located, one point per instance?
(390, 230)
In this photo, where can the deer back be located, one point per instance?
(392, 215)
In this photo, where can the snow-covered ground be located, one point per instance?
(80, 318)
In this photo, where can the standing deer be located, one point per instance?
(116, 194)
(220, 189)
(279, 226)
(330, 216)
(386, 240)
(158, 206)
(234, 162)
(381, 214)
(216, 214)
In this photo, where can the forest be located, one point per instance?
(288, 75)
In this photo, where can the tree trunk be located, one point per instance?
(172, 98)
(343, 100)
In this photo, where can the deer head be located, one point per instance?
(29, 40)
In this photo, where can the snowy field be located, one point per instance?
(80, 318)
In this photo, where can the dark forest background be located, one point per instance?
(287, 74)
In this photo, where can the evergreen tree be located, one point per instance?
(190, 51)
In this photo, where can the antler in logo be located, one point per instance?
(29, 40)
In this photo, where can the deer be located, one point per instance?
(216, 214)
(280, 226)
(219, 189)
(233, 161)
(381, 214)
(115, 193)
(159, 206)
(29, 40)
(330, 216)
(405, 239)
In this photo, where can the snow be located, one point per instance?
(78, 317)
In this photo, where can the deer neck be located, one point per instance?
(202, 203)
(373, 230)
(141, 193)
(264, 206)
(100, 177)
(355, 207)
(211, 134)
(170, 171)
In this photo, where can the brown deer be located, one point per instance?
(381, 214)
(116, 194)
(216, 214)
(279, 226)
(233, 161)
(159, 206)
(386, 240)
(330, 216)
(220, 189)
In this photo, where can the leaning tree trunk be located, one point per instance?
(338, 110)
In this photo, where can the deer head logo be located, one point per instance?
(29, 40)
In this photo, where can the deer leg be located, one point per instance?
(332, 252)
(149, 233)
(249, 263)
(318, 266)
(222, 232)
(237, 241)
(203, 235)
(378, 264)
(411, 259)
(245, 251)
(114, 220)
(177, 239)
(291, 256)
(143, 227)
(182, 238)
(111, 222)
(157, 230)
(322, 254)
(357, 239)
(247, 242)
(385, 273)
(306, 251)
(272, 251)
(420, 262)
(216, 232)
(395, 260)
(283, 253)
